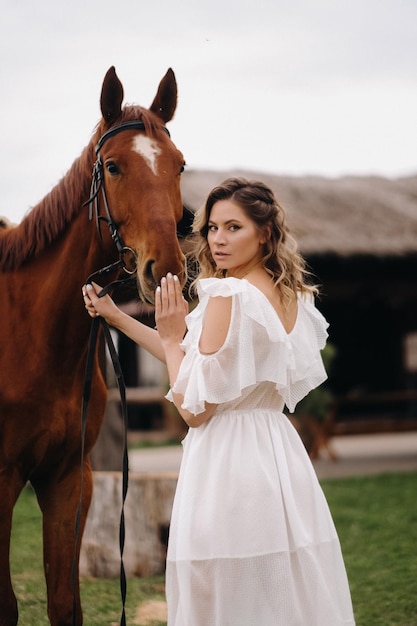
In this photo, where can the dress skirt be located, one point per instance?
(252, 541)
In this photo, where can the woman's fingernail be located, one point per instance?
(163, 279)
(175, 277)
(89, 287)
(169, 275)
(158, 289)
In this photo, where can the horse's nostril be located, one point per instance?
(149, 270)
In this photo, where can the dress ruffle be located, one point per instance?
(257, 349)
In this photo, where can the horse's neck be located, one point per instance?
(81, 250)
(60, 275)
(46, 226)
(73, 190)
(76, 250)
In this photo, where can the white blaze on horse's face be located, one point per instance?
(148, 149)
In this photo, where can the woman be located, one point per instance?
(252, 541)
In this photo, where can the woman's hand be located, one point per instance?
(170, 310)
(140, 333)
(99, 306)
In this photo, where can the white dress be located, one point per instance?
(252, 541)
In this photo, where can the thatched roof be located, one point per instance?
(344, 216)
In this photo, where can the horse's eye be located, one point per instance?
(112, 168)
(182, 168)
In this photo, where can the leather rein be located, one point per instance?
(98, 185)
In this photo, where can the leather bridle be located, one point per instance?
(97, 185)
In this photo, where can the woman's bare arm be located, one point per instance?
(168, 318)
(146, 337)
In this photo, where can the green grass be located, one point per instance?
(376, 518)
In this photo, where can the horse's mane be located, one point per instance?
(49, 218)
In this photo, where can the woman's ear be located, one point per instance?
(265, 235)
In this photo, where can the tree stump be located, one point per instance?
(147, 514)
(107, 453)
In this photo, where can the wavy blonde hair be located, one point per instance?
(281, 258)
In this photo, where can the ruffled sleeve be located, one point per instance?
(257, 349)
(305, 366)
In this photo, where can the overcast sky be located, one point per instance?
(295, 87)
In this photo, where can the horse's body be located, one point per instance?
(44, 328)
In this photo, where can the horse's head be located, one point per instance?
(141, 177)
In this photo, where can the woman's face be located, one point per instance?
(234, 241)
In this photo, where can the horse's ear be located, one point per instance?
(165, 101)
(111, 96)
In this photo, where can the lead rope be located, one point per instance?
(92, 344)
(125, 470)
(85, 402)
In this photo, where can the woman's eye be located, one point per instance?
(234, 227)
(112, 168)
(212, 228)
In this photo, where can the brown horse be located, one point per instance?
(44, 328)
